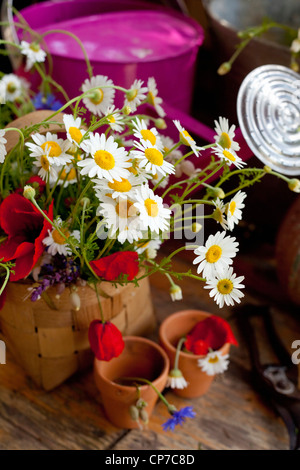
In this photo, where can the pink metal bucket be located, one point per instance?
(124, 40)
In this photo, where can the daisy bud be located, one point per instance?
(267, 169)
(75, 301)
(29, 192)
(224, 68)
(144, 416)
(126, 110)
(175, 292)
(131, 94)
(294, 185)
(134, 413)
(140, 404)
(196, 227)
(85, 201)
(217, 192)
(160, 123)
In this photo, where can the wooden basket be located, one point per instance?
(51, 344)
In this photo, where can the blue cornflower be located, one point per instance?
(40, 101)
(178, 418)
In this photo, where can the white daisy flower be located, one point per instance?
(47, 170)
(107, 159)
(214, 363)
(186, 139)
(168, 144)
(151, 159)
(140, 131)
(153, 99)
(124, 188)
(135, 95)
(225, 135)
(33, 53)
(120, 216)
(149, 247)
(11, 87)
(219, 213)
(233, 209)
(225, 288)
(56, 243)
(102, 98)
(152, 212)
(74, 132)
(115, 119)
(229, 156)
(175, 292)
(216, 255)
(295, 46)
(3, 141)
(56, 148)
(67, 176)
(176, 380)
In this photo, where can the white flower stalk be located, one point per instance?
(225, 135)
(151, 159)
(176, 380)
(102, 97)
(234, 209)
(107, 160)
(11, 87)
(186, 139)
(152, 213)
(3, 141)
(214, 363)
(135, 95)
(33, 52)
(153, 97)
(229, 156)
(141, 132)
(216, 255)
(225, 288)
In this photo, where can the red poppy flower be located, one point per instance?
(212, 332)
(26, 228)
(105, 339)
(123, 262)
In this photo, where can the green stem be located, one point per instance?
(179, 346)
(146, 381)
(99, 302)
(6, 277)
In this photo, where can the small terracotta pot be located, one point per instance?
(171, 330)
(140, 358)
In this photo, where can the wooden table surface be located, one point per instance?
(231, 416)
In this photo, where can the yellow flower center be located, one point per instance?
(132, 94)
(55, 149)
(218, 215)
(154, 156)
(75, 134)
(166, 149)
(213, 254)
(104, 159)
(125, 209)
(111, 119)
(45, 163)
(121, 186)
(229, 155)
(58, 238)
(68, 176)
(11, 87)
(151, 207)
(225, 141)
(151, 98)
(148, 135)
(186, 139)
(232, 207)
(98, 96)
(225, 286)
(34, 46)
(213, 360)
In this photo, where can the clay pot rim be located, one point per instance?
(180, 313)
(151, 343)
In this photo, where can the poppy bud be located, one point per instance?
(105, 339)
